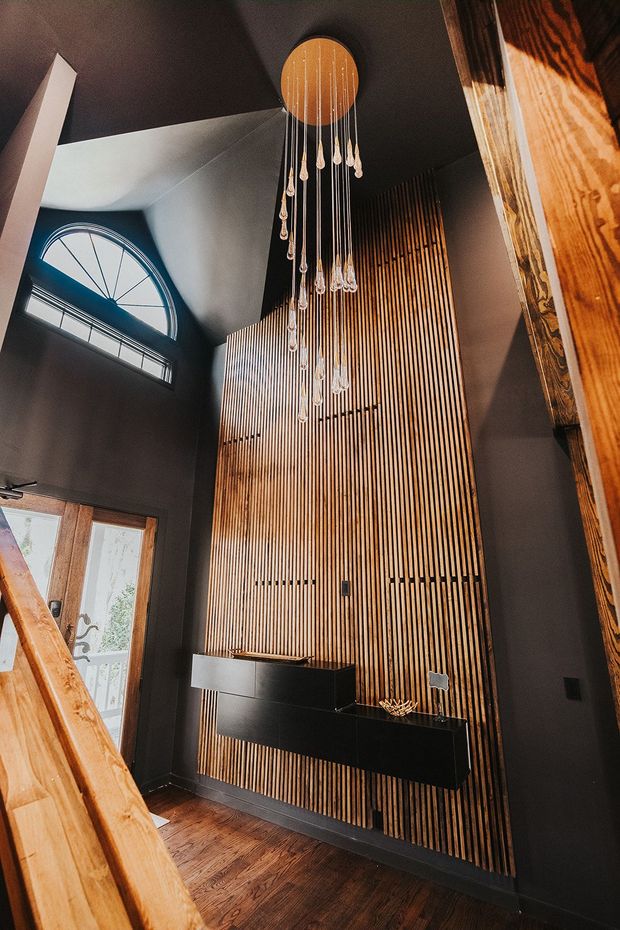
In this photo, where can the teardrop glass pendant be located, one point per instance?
(319, 281)
(350, 275)
(345, 276)
(332, 278)
(302, 416)
(291, 247)
(283, 231)
(320, 157)
(303, 265)
(344, 377)
(319, 371)
(337, 159)
(350, 158)
(290, 189)
(302, 302)
(336, 388)
(303, 172)
(339, 277)
(317, 392)
(303, 355)
(283, 214)
(292, 316)
(292, 340)
(357, 163)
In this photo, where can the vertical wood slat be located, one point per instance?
(377, 489)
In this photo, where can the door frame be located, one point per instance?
(67, 581)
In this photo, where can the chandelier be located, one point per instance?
(319, 87)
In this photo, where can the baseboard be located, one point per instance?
(154, 784)
(187, 784)
(425, 864)
(557, 915)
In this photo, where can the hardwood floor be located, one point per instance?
(247, 874)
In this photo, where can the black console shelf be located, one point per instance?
(310, 709)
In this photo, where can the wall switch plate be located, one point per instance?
(438, 680)
(572, 689)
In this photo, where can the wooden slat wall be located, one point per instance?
(377, 489)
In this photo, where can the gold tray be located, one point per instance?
(267, 656)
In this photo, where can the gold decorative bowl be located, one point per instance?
(398, 708)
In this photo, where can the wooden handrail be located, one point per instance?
(149, 884)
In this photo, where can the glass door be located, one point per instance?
(109, 629)
(36, 534)
(94, 569)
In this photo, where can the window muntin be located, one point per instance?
(98, 335)
(114, 269)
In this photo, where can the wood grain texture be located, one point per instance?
(66, 878)
(75, 575)
(472, 29)
(600, 24)
(75, 754)
(59, 577)
(247, 873)
(377, 489)
(600, 571)
(576, 162)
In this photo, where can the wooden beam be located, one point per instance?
(473, 34)
(476, 43)
(572, 163)
(25, 162)
(600, 570)
(147, 880)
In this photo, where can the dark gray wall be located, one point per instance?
(559, 753)
(92, 430)
(188, 713)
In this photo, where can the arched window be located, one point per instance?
(114, 268)
(124, 284)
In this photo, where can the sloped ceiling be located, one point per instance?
(207, 190)
(132, 170)
(184, 71)
(213, 230)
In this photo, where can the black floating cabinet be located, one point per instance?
(220, 673)
(247, 719)
(317, 684)
(298, 708)
(314, 684)
(415, 747)
(321, 734)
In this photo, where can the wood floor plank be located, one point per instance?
(247, 874)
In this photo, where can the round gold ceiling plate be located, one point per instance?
(321, 64)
